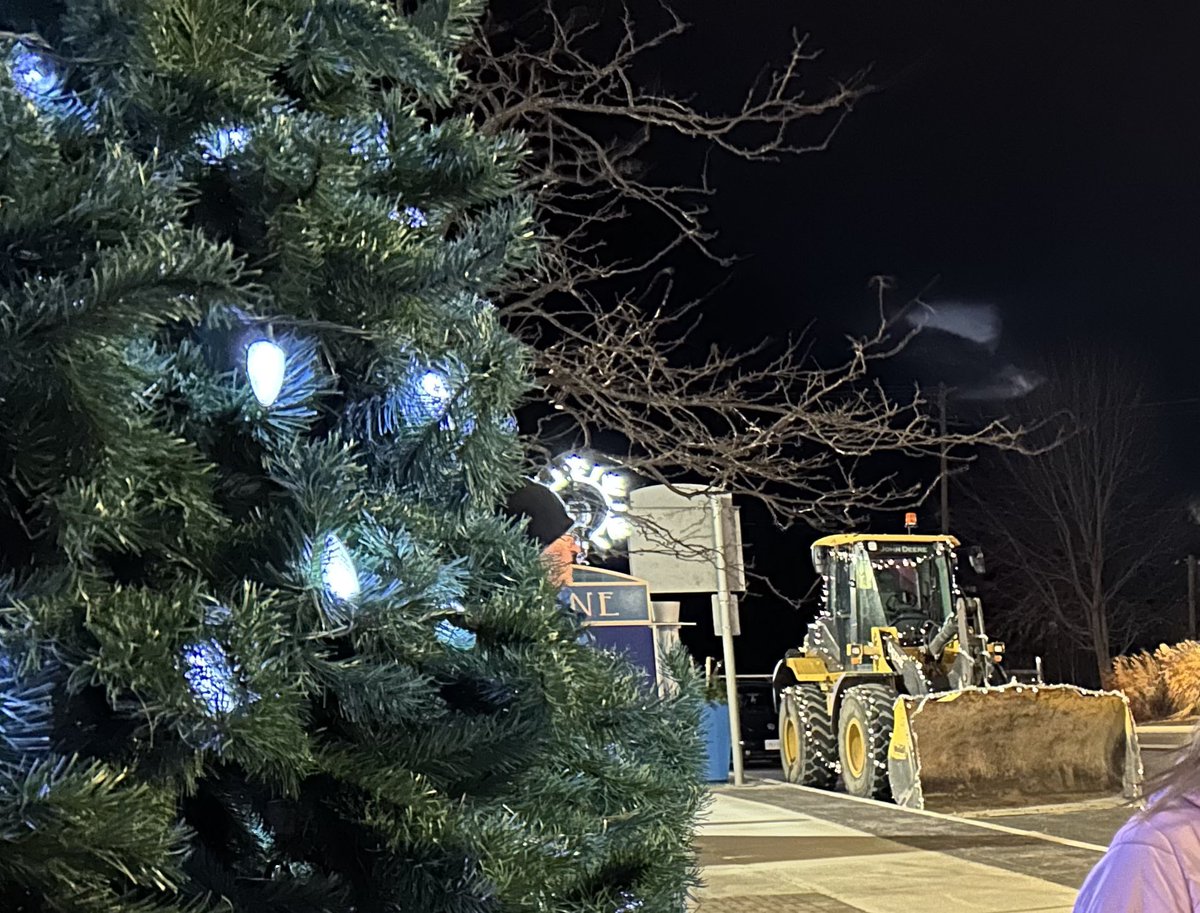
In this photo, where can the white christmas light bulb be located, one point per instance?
(223, 141)
(211, 677)
(435, 387)
(33, 74)
(577, 466)
(453, 636)
(337, 569)
(265, 363)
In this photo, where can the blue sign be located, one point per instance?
(606, 596)
(616, 611)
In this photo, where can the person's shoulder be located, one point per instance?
(1167, 826)
(1150, 865)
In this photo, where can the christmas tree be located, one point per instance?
(265, 643)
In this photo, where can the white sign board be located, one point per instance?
(735, 615)
(672, 541)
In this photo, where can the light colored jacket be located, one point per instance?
(1152, 865)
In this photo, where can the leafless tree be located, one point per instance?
(1075, 536)
(613, 349)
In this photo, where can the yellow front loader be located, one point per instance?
(898, 693)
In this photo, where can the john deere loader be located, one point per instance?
(899, 693)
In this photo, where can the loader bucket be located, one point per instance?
(1012, 746)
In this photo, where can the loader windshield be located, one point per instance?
(911, 586)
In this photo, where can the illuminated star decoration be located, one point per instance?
(596, 495)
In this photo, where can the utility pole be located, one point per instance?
(1191, 568)
(944, 460)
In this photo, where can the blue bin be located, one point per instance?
(714, 725)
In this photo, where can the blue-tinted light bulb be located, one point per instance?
(34, 74)
(265, 364)
(337, 570)
(212, 679)
(223, 141)
(434, 386)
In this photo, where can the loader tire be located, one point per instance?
(807, 747)
(864, 731)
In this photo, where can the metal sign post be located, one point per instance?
(735, 723)
(687, 539)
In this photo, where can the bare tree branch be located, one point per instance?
(772, 426)
(614, 352)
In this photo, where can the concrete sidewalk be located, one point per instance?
(1168, 735)
(777, 848)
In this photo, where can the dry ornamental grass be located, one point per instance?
(1162, 684)
(1181, 671)
(1140, 677)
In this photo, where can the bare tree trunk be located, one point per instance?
(1101, 649)
(1072, 543)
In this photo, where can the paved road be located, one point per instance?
(1088, 822)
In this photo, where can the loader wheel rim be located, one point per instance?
(791, 742)
(856, 748)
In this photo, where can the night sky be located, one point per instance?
(1041, 158)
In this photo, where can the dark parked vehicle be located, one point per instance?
(760, 740)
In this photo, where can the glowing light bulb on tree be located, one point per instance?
(337, 570)
(434, 386)
(211, 677)
(34, 74)
(411, 216)
(426, 397)
(222, 141)
(265, 366)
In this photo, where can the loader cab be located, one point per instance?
(901, 582)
